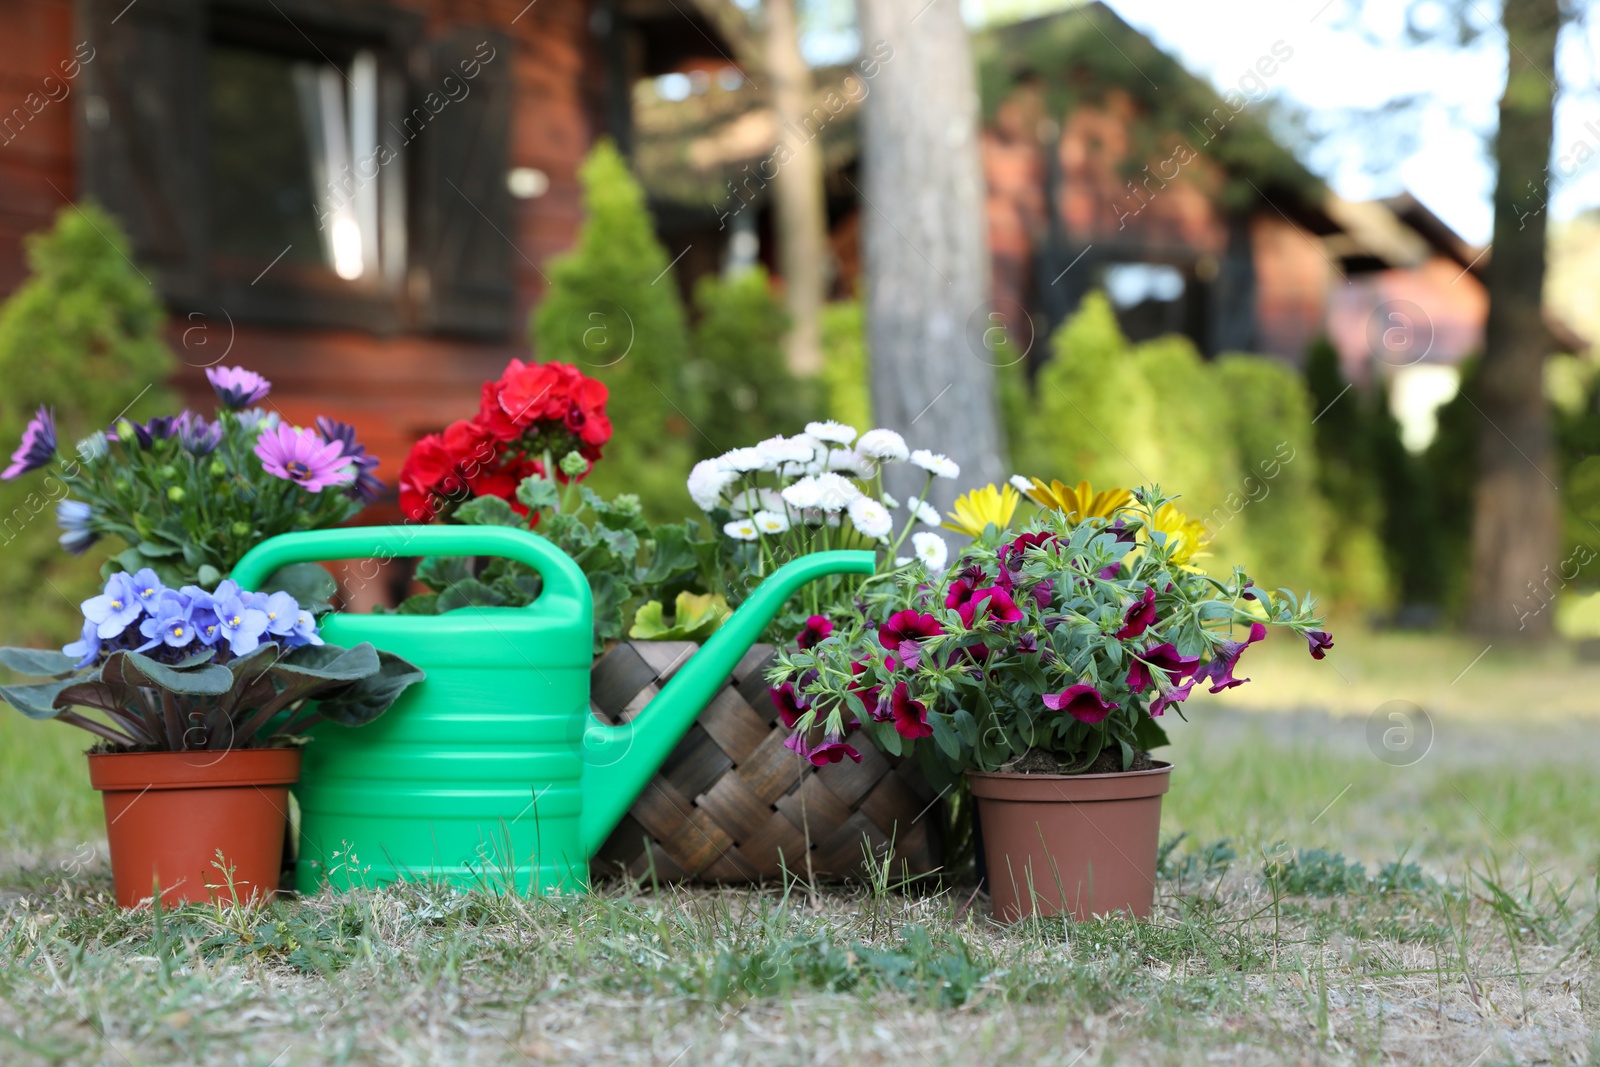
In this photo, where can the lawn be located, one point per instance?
(1319, 903)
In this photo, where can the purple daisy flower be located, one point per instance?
(198, 436)
(301, 457)
(366, 487)
(236, 387)
(38, 445)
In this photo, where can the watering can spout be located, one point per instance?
(620, 760)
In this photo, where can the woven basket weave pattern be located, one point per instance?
(732, 804)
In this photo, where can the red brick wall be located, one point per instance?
(393, 389)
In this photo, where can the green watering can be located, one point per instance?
(493, 771)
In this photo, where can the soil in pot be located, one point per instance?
(170, 814)
(1082, 844)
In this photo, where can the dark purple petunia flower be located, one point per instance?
(1028, 643)
(817, 629)
(994, 602)
(38, 445)
(1140, 616)
(831, 749)
(1320, 642)
(1219, 672)
(871, 695)
(237, 387)
(790, 702)
(907, 625)
(1043, 593)
(1163, 657)
(1167, 695)
(1082, 702)
(367, 487)
(910, 716)
(1126, 535)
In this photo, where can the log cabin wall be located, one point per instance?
(396, 363)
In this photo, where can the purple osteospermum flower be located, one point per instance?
(38, 445)
(237, 387)
(73, 516)
(198, 436)
(301, 457)
(170, 624)
(115, 609)
(366, 487)
(1082, 702)
(1219, 672)
(1320, 642)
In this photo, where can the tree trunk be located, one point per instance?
(801, 215)
(923, 242)
(1516, 513)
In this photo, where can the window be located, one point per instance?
(295, 162)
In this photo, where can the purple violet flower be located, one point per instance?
(115, 609)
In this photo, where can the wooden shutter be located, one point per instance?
(141, 127)
(462, 270)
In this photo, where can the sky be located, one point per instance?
(1439, 150)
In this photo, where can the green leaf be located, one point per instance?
(363, 701)
(420, 604)
(208, 576)
(488, 511)
(469, 593)
(888, 738)
(519, 590)
(438, 572)
(156, 550)
(944, 736)
(671, 556)
(38, 662)
(538, 493)
(308, 583)
(966, 726)
(697, 618)
(35, 701)
(623, 543)
(330, 662)
(609, 594)
(1148, 733)
(136, 669)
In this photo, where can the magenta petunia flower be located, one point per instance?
(790, 702)
(237, 387)
(817, 629)
(1164, 657)
(1082, 702)
(1141, 615)
(1168, 695)
(907, 625)
(38, 445)
(301, 457)
(831, 749)
(995, 604)
(1219, 672)
(961, 591)
(1320, 642)
(910, 716)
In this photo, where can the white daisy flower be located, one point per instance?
(805, 493)
(871, 518)
(851, 462)
(741, 530)
(882, 445)
(937, 465)
(836, 432)
(770, 522)
(782, 450)
(889, 502)
(927, 514)
(746, 460)
(749, 500)
(901, 561)
(931, 550)
(834, 492)
(707, 482)
(1021, 484)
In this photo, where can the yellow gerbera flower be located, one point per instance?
(1185, 537)
(1079, 502)
(975, 510)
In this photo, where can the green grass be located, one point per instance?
(1316, 905)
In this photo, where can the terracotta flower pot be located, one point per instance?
(168, 814)
(1077, 844)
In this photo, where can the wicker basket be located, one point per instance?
(731, 804)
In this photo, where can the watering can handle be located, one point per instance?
(562, 577)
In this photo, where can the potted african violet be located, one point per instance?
(1039, 666)
(202, 698)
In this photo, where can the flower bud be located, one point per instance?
(175, 494)
(241, 529)
(218, 468)
(573, 464)
(169, 472)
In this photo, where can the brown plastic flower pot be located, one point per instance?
(1080, 844)
(169, 814)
